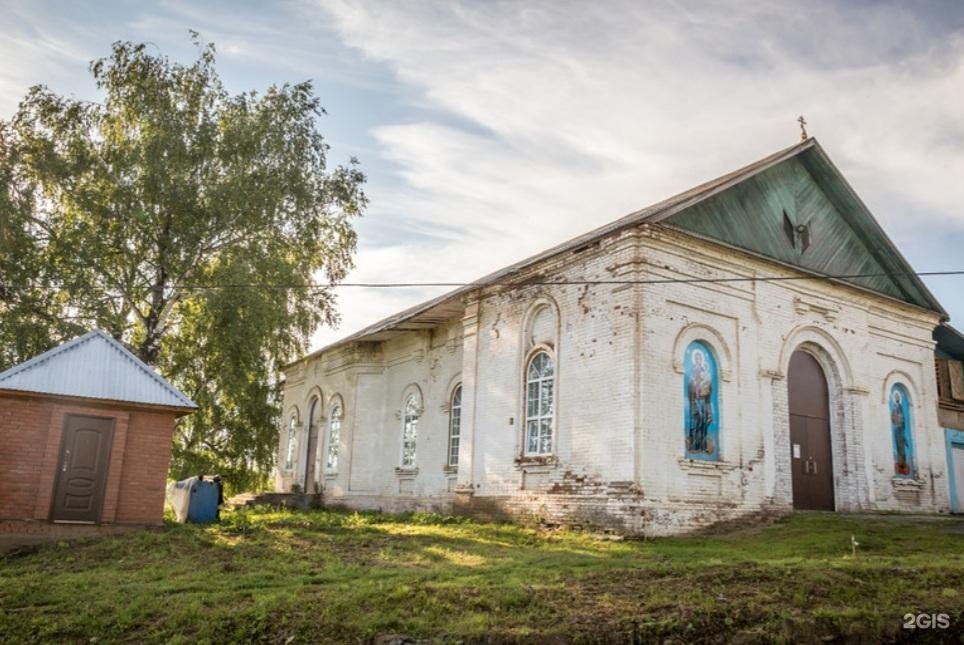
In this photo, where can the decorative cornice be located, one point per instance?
(464, 488)
(536, 463)
(829, 311)
(906, 484)
(707, 467)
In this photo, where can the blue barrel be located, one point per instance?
(203, 507)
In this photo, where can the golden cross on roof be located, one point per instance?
(803, 128)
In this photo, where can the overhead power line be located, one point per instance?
(524, 282)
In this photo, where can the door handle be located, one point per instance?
(810, 466)
(63, 468)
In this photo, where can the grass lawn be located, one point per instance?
(323, 576)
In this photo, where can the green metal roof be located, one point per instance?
(743, 209)
(807, 189)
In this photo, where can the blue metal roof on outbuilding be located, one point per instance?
(93, 366)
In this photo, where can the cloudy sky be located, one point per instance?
(492, 130)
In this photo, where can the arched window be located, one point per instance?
(410, 430)
(540, 379)
(292, 442)
(312, 439)
(900, 426)
(455, 425)
(334, 436)
(701, 410)
(313, 413)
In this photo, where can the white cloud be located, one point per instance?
(528, 123)
(33, 54)
(547, 119)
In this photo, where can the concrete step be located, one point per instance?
(286, 500)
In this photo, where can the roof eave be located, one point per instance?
(949, 340)
(98, 402)
(911, 275)
(653, 213)
(807, 274)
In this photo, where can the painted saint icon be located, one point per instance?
(900, 427)
(701, 411)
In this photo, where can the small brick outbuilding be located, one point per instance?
(85, 439)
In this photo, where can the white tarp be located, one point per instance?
(179, 497)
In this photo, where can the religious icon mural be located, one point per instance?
(900, 425)
(700, 402)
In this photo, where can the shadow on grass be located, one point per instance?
(330, 576)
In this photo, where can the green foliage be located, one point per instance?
(152, 213)
(275, 575)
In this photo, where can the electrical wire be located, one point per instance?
(523, 282)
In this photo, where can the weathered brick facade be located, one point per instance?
(618, 456)
(31, 429)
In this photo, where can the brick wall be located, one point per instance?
(24, 424)
(30, 436)
(144, 471)
(618, 459)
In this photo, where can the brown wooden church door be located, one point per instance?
(82, 469)
(810, 455)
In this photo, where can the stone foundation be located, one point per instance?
(301, 501)
(16, 534)
(626, 516)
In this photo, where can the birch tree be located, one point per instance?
(190, 223)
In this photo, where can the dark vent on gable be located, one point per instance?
(801, 231)
(788, 229)
(804, 231)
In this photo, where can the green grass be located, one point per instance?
(326, 576)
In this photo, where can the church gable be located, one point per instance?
(802, 212)
(792, 206)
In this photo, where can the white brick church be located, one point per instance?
(687, 364)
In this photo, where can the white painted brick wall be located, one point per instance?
(619, 394)
(373, 383)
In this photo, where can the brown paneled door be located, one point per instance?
(82, 469)
(810, 456)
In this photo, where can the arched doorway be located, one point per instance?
(810, 451)
(310, 483)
